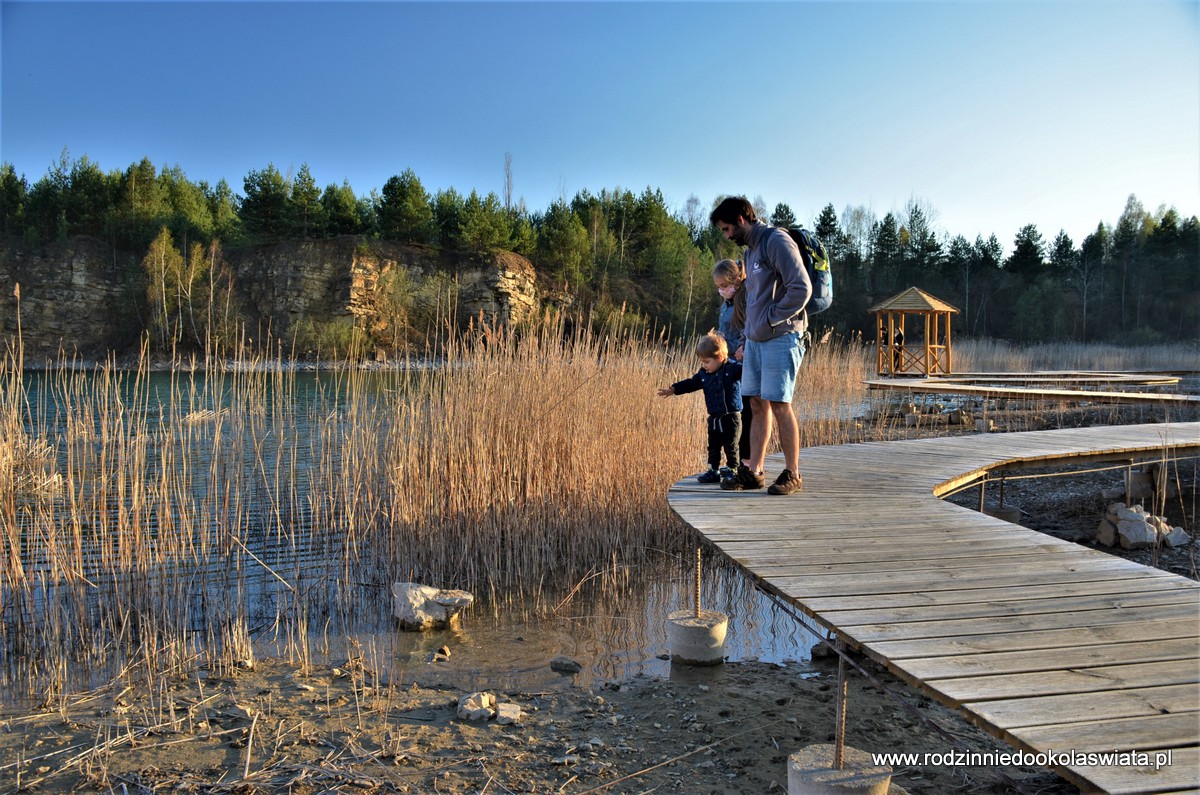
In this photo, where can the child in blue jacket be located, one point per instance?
(721, 380)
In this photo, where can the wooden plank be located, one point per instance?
(1156, 591)
(838, 553)
(1023, 633)
(802, 565)
(1140, 733)
(1179, 776)
(959, 690)
(957, 579)
(1039, 393)
(1016, 713)
(972, 634)
(1039, 591)
(929, 533)
(930, 669)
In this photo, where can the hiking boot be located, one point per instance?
(788, 482)
(711, 476)
(744, 480)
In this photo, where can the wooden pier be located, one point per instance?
(1048, 387)
(1046, 644)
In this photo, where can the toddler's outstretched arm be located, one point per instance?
(666, 391)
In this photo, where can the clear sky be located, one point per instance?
(993, 113)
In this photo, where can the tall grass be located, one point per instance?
(184, 518)
(176, 523)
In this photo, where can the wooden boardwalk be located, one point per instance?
(1048, 645)
(1032, 389)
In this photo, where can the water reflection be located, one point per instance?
(231, 541)
(614, 637)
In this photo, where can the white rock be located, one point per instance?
(420, 607)
(1130, 514)
(507, 714)
(1136, 534)
(1178, 537)
(477, 706)
(1106, 533)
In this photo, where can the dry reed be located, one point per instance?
(986, 355)
(205, 509)
(169, 519)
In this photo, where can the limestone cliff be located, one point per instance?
(76, 296)
(85, 297)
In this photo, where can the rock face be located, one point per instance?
(356, 279)
(85, 297)
(76, 296)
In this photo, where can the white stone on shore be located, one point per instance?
(421, 607)
(477, 706)
(1178, 537)
(508, 714)
(1136, 534)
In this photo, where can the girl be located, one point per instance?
(730, 280)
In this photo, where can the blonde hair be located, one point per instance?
(729, 271)
(712, 345)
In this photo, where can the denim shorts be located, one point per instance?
(769, 368)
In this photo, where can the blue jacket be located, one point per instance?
(722, 389)
(725, 326)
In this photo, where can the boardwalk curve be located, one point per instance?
(1046, 644)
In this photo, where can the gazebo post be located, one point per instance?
(928, 344)
(949, 360)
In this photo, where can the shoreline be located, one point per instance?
(275, 727)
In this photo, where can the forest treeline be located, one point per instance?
(1135, 281)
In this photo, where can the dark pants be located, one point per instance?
(744, 440)
(723, 434)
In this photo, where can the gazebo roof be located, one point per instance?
(913, 300)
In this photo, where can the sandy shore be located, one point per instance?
(277, 728)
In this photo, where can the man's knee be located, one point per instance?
(782, 410)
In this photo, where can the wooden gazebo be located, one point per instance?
(896, 356)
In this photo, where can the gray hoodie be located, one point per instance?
(777, 284)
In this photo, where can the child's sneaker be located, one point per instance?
(711, 476)
(788, 482)
(744, 480)
(726, 473)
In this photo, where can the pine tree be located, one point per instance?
(264, 210)
(405, 211)
(782, 216)
(339, 206)
(1028, 257)
(305, 212)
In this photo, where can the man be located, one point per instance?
(777, 289)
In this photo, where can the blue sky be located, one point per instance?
(993, 113)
